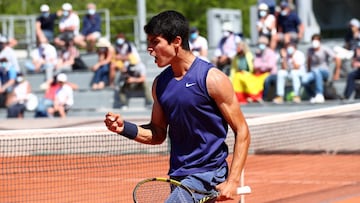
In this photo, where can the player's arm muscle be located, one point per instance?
(221, 90)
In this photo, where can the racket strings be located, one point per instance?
(160, 192)
(154, 191)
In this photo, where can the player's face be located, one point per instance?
(161, 50)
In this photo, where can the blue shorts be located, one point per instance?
(205, 181)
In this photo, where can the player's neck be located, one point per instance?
(182, 63)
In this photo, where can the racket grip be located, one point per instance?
(243, 190)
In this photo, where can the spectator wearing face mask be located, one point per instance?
(266, 24)
(265, 66)
(198, 44)
(227, 48)
(18, 97)
(68, 26)
(125, 55)
(45, 24)
(354, 74)
(91, 29)
(293, 67)
(43, 59)
(8, 52)
(346, 52)
(8, 76)
(101, 69)
(241, 75)
(289, 25)
(270, 3)
(318, 59)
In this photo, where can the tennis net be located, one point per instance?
(95, 165)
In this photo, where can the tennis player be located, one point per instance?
(194, 102)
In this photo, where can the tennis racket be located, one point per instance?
(159, 189)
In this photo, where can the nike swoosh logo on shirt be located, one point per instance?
(190, 84)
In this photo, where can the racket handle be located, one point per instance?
(243, 190)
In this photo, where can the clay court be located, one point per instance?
(273, 178)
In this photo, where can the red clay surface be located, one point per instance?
(273, 178)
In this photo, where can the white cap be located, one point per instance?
(44, 8)
(227, 26)
(263, 7)
(355, 22)
(103, 42)
(66, 7)
(61, 77)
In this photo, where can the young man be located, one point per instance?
(290, 27)
(198, 44)
(293, 67)
(353, 75)
(69, 25)
(45, 24)
(194, 109)
(318, 60)
(91, 29)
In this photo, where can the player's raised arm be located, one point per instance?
(152, 133)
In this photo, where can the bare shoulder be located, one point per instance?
(218, 83)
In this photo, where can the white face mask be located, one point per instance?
(120, 41)
(315, 44)
(284, 13)
(91, 11)
(262, 13)
(226, 33)
(262, 47)
(290, 50)
(66, 13)
(19, 79)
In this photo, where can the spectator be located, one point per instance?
(125, 55)
(354, 75)
(11, 42)
(91, 29)
(6, 51)
(352, 37)
(101, 69)
(266, 25)
(198, 44)
(66, 57)
(293, 67)
(68, 26)
(45, 24)
(43, 59)
(226, 49)
(47, 100)
(134, 80)
(346, 53)
(64, 97)
(318, 59)
(241, 74)
(17, 98)
(7, 80)
(290, 27)
(265, 66)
